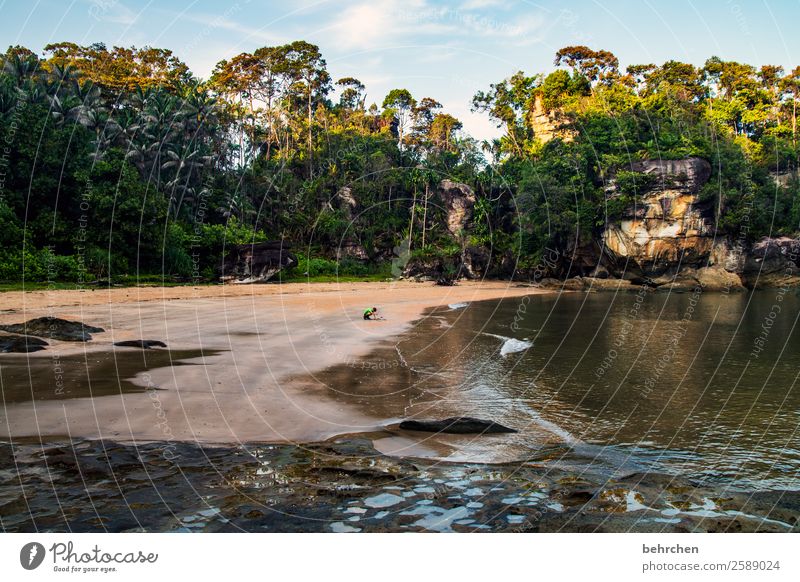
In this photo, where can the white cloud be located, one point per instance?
(112, 12)
(480, 4)
(382, 23)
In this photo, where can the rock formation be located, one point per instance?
(772, 262)
(20, 344)
(54, 328)
(350, 247)
(668, 230)
(256, 263)
(141, 344)
(459, 202)
(548, 124)
(457, 425)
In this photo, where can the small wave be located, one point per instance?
(510, 345)
(514, 345)
(457, 305)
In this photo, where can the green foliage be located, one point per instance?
(121, 165)
(632, 183)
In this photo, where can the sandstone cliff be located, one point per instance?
(668, 239)
(666, 230)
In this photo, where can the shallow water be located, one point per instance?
(701, 385)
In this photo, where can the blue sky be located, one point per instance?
(436, 48)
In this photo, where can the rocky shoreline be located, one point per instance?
(345, 485)
(662, 234)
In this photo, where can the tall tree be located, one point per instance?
(399, 105)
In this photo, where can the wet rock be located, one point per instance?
(256, 263)
(54, 328)
(308, 487)
(142, 344)
(456, 425)
(20, 344)
(606, 284)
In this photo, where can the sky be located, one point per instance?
(444, 49)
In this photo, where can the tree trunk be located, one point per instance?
(425, 215)
(411, 225)
(309, 132)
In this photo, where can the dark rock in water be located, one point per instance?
(20, 344)
(256, 263)
(54, 328)
(143, 344)
(457, 425)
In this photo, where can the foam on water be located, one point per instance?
(514, 345)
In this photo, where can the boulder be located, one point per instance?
(606, 284)
(20, 344)
(141, 344)
(716, 278)
(54, 328)
(456, 425)
(256, 263)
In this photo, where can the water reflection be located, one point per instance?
(698, 384)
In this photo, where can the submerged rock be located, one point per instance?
(54, 328)
(20, 344)
(143, 344)
(456, 425)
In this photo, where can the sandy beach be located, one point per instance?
(248, 356)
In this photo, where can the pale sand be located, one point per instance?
(268, 337)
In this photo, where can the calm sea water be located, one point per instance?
(703, 385)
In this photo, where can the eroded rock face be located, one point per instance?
(459, 201)
(548, 125)
(256, 263)
(347, 201)
(772, 262)
(669, 229)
